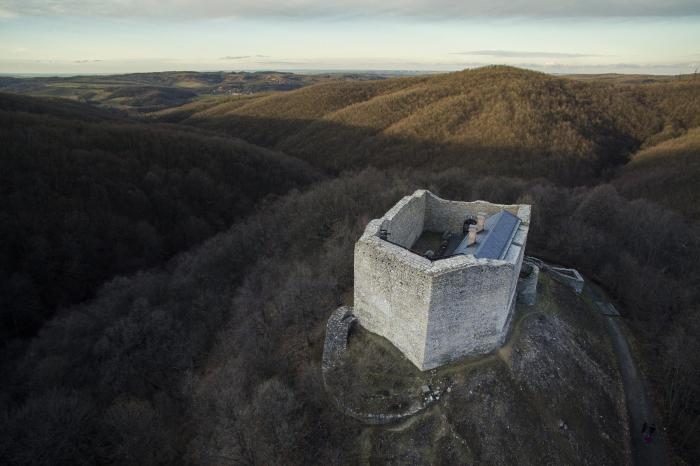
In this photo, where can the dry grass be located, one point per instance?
(505, 408)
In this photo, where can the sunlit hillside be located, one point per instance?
(495, 120)
(668, 173)
(150, 92)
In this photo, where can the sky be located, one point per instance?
(560, 36)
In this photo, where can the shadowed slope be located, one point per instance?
(56, 107)
(87, 195)
(215, 359)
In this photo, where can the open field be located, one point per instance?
(149, 92)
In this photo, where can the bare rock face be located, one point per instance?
(437, 311)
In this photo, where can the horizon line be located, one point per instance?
(20, 75)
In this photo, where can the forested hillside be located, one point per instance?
(88, 195)
(493, 120)
(668, 172)
(215, 359)
(194, 272)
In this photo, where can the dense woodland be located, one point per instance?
(213, 357)
(668, 172)
(87, 199)
(494, 121)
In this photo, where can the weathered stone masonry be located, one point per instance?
(436, 311)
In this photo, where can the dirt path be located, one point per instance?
(639, 408)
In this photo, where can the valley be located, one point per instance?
(173, 244)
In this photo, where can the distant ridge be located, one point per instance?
(492, 120)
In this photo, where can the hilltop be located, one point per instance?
(510, 406)
(493, 120)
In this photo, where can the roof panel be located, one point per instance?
(501, 227)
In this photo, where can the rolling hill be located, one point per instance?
(209, 351)
(493, 120)
(88, 194)
(668, 173)
(150, 92)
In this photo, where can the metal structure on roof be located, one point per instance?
(493, 242)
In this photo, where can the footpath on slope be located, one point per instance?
(639, 409)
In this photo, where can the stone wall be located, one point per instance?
(569, 277)
(444, 215)
(404, 222)
(527, 285)
(336, 343)
(392, 294)
(469, 309)
(334, 348)
(435, 312)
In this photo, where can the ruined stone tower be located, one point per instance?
(438, 278)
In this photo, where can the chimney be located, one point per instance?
(480, 218)
(471, 236)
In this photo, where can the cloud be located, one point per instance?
(294, 63)
(523, 54)
(242, 57)
(6, 14)
(87, 61)
(193, 9)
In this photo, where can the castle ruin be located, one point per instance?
(438, 278)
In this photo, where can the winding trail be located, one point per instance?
(639, 408)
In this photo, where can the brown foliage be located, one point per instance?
(493, 120)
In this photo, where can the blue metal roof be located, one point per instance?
(494, 240)
(501, 227)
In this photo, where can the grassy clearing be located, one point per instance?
(376, 376)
